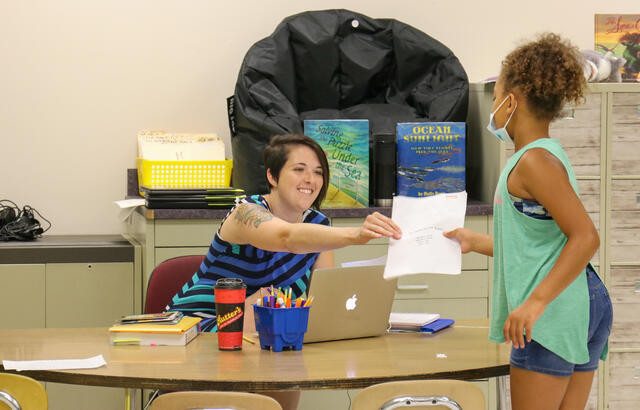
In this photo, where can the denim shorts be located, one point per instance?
(539, 359)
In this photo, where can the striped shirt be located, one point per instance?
(256, 267)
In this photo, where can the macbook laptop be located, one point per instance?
(349, 303)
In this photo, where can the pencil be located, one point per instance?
(249, 340)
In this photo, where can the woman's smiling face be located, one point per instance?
(300, 179)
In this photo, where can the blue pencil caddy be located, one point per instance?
(280, 328)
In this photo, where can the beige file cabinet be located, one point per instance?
(602, 139)
(458, 296)
(70, 281)
(23, 292)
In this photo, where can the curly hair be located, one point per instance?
(548, 72)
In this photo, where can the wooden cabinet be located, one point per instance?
(624, 289)
(625, 139)
(624, 380)
(625, 220)
(623, 245)
(602, 139)
(78, 281)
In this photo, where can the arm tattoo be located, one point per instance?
(249, 214)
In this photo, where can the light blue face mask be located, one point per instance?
(500, 133)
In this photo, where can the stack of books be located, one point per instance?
(214, 198)
(417, 322)
(155, 329)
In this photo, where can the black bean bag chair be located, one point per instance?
(338, 64)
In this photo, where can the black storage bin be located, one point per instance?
(335, 64)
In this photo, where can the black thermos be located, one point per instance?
(384, 152)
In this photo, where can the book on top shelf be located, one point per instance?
(346, 144)
(431, 158)
(151, 334)
(619, 34)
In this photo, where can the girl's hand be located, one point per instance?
(520, 321)
(465, 236)
(376, 226)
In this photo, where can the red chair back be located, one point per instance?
(167, 278)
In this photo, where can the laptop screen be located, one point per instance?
(349, 303)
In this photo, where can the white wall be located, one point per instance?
(79, 78)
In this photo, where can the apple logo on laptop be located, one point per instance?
(351, 302)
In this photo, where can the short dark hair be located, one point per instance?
(276, 155)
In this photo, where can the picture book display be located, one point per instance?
(619, 34)
(346, 144)
(431, 158)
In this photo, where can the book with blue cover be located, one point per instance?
(431, 158)
(346, 144)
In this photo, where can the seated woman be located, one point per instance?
(279, 238)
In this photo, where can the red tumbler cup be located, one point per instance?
(230, 294)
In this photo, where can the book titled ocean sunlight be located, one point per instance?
(431, 158)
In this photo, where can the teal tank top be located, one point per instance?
(525, 249)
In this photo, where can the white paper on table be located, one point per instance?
(60, 364)
(381, 260)
(423, 248)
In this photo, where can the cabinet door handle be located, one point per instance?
(412, 287)
(637, 286)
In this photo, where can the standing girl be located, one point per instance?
(548, 301)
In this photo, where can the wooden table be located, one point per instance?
(461, 352)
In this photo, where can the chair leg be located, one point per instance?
(132, 399)
(8, 399)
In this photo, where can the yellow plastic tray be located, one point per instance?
(184, 174)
